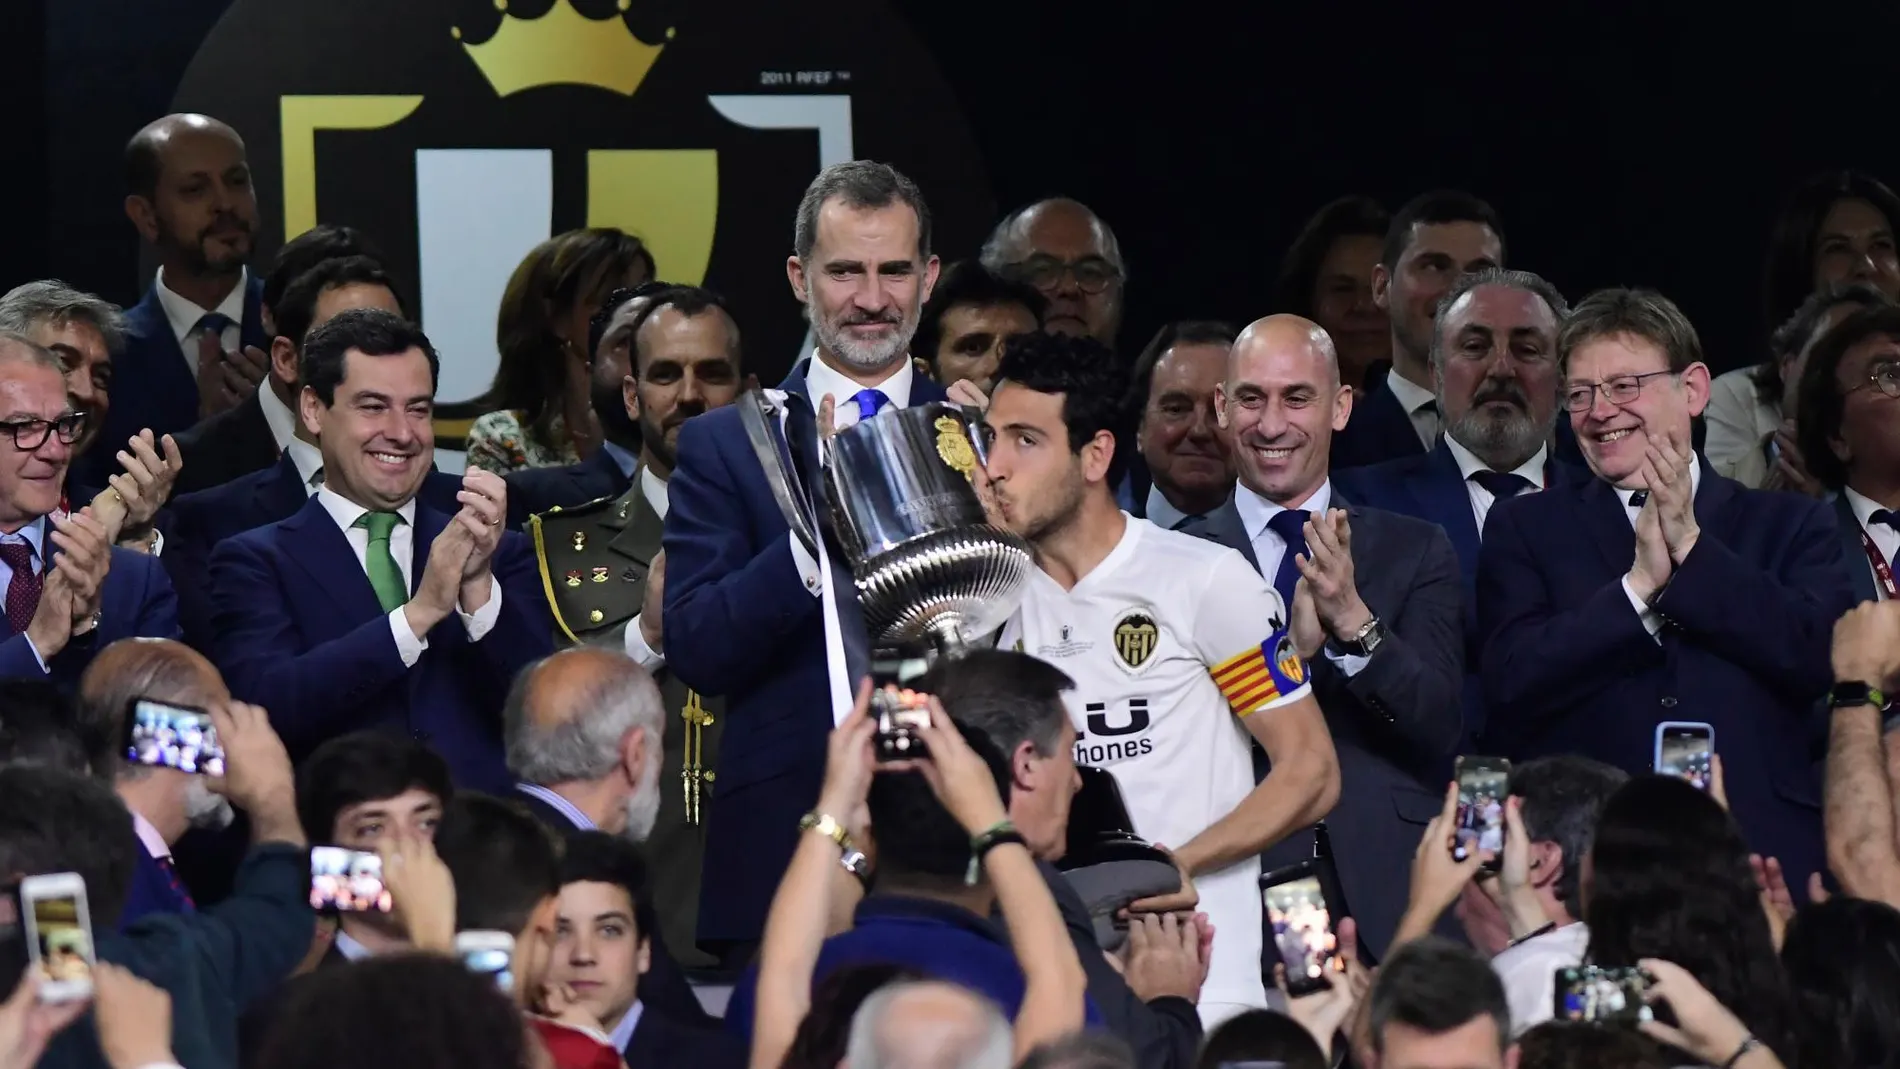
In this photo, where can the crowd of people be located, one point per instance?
(571, 759)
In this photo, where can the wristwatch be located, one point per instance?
(1849, 695)
(852, 859)
(1363, 641)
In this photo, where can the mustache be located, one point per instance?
(685, 411)
(865, 321)
(224, 223)
(1511, 394)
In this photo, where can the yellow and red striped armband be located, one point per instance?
(1255, 677)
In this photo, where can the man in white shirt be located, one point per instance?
(751, 612)
(1849, 425)
(366, 608)
(1178, 650)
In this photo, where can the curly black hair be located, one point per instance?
(1092, 380)
(396, 1012)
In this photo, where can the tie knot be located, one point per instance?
(1637, 497)
(1290, 525)
(214, 322)
(1501, 483)
(869, 402)
(1890, 518)
(378, 524)
(17, 555)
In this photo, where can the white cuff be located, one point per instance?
(36, 653)
(808, 570)
(408, 645)
(480, 622)
(158, 542)
(642, 654)
(1349, 663)
(1652, 623)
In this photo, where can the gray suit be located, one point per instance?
(1396, 722)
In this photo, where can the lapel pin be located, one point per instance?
(573, 579)
(580, 540)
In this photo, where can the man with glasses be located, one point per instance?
(1661, 591)
(1068, 254)
(68, 591)
(1849, 427)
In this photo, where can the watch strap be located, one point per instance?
(1849, 695)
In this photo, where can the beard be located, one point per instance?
(610, 407)
(643, 805)
(203, 809)
(193, 249)
(1058, 515)
(865, 356)
(1506, 439)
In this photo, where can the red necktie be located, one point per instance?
(23, 590)
(178, 885)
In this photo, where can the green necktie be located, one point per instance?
(384, 577)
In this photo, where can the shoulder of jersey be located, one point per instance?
(1157, 539)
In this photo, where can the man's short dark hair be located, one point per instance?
(370, 331)
(860, 184)
(364, 766)
(1010, 697)
(325, 241)
(1432, 209)
(1092, 382)
(1179, 332)
(1082, 1050)
(968, 284)
(916, 835)
(37, 728)
(688, 301)
(1262, 1036)
(1587, 1045)
(1821, 404)
(296, 309)
(598, 323)
(1639, 313)
(505, 863)
(1562, 798)
(597, 857)
(1792, 336)
(1436, 985)
(52, 820)
(396, 1011)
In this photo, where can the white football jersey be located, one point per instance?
(1171, 640)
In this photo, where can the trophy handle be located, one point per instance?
(973, 417)
(758, 414)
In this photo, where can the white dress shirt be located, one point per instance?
(283, 430)
(623, 1031)
(1482, 499)
(151, 838)
(183, 314)
(352, 950)
(653, 488)
(1886, 539)
(1161, 511)
(1420, 404)
(1652, 622)
(560, 805)
(1269, 549)
(402, 539)
(1528, 971)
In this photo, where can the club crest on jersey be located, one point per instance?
(1136, 637)
(1288, 661)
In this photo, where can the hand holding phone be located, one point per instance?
(58, 935)
(1686, 751)
(348, 881)
(166, 735)
(1300, 920)
(490, 954)
(1604, 995)
(901, 711)
(1483, 786)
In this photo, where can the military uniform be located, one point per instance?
(594, 559)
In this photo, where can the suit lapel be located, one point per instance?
(636, 525)
(1393, 426)
(1609, 524)
(251, 332)
(170, 376)
(322, 550)
(283, 494)
(1712, 496)
(1223, 525)
(1851, 547)
(429, 523)
(1447, 503)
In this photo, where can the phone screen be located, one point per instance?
(1684, 751)
(900, 710)
(1591, 993)
(1483, 784)
(494, 962)
(61, 942)
(1302, 928)
(349, 881)
(173, 736)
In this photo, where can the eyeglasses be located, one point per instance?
(1092, 273)
(1885, 377)
(1620, 390)
(30, 434)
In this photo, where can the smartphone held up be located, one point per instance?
(1301, 920)
(347, 881)
(1483, 786)
(1603, 995)
(902, 712)
(165, 735)
(1685, 750)
(58, 927)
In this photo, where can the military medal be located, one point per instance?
(600, 575)
(580, 540)
(574, 578)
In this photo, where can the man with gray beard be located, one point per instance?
(165, 802)
(752, 613)
(1494, 364)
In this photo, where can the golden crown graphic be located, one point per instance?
(563, 47)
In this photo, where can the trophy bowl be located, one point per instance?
(928, 565)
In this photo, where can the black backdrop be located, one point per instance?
(1622, 142)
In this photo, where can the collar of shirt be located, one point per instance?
(149, 835)
(1255, 510)
(623, 1032)
(1468, 462)
(558, 804)
(626, 460)
(34, 535)
(183, 314)
(1695, 487)
(350, 948)
(346, 512)
(822, 379)
(1410, 395)
(1161, 511)
(1864, 507)
(653, 488)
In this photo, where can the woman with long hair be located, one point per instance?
(538, 411)
(1669, 878)
(1327, 277)
(1843, 959)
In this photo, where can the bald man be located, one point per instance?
(928, 1025)
(165, 801)
(1067, 252)
(1376, 609)
(188, 191)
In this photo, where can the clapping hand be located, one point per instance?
(484, 498)
(146, 482)
(1327, 569)
(1670, 469)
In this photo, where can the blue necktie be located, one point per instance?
(214, 323)
(1290, 525)
(868, 402)
(1501, 484)
(1891, 519)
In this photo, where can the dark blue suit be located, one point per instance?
(298, 630)
(152, 891)
(659, 1042)
(196, 522)
(137, 601)
(154, 384)
(741, 623)
(1852, 548)
(537, 490)
(1430, 487)
(1748, 620)
(1379, 430)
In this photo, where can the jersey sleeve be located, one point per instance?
(1240, 632)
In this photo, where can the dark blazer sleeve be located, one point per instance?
(156, 615)
(1540, 661)
(253, 939)
(1780, 629)
(1416, 676)
(17, 660)
(524, 628)
(1161, 1036)
(187, 561)
(665, 989)
(728, 605)
(311, 694)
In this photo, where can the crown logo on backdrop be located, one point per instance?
(563, 47)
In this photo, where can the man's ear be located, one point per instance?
(1022, 766)
(310, 408)
(1547, 864)
(144, 217)
(633, 754)
(643, 958)
(283, 361)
